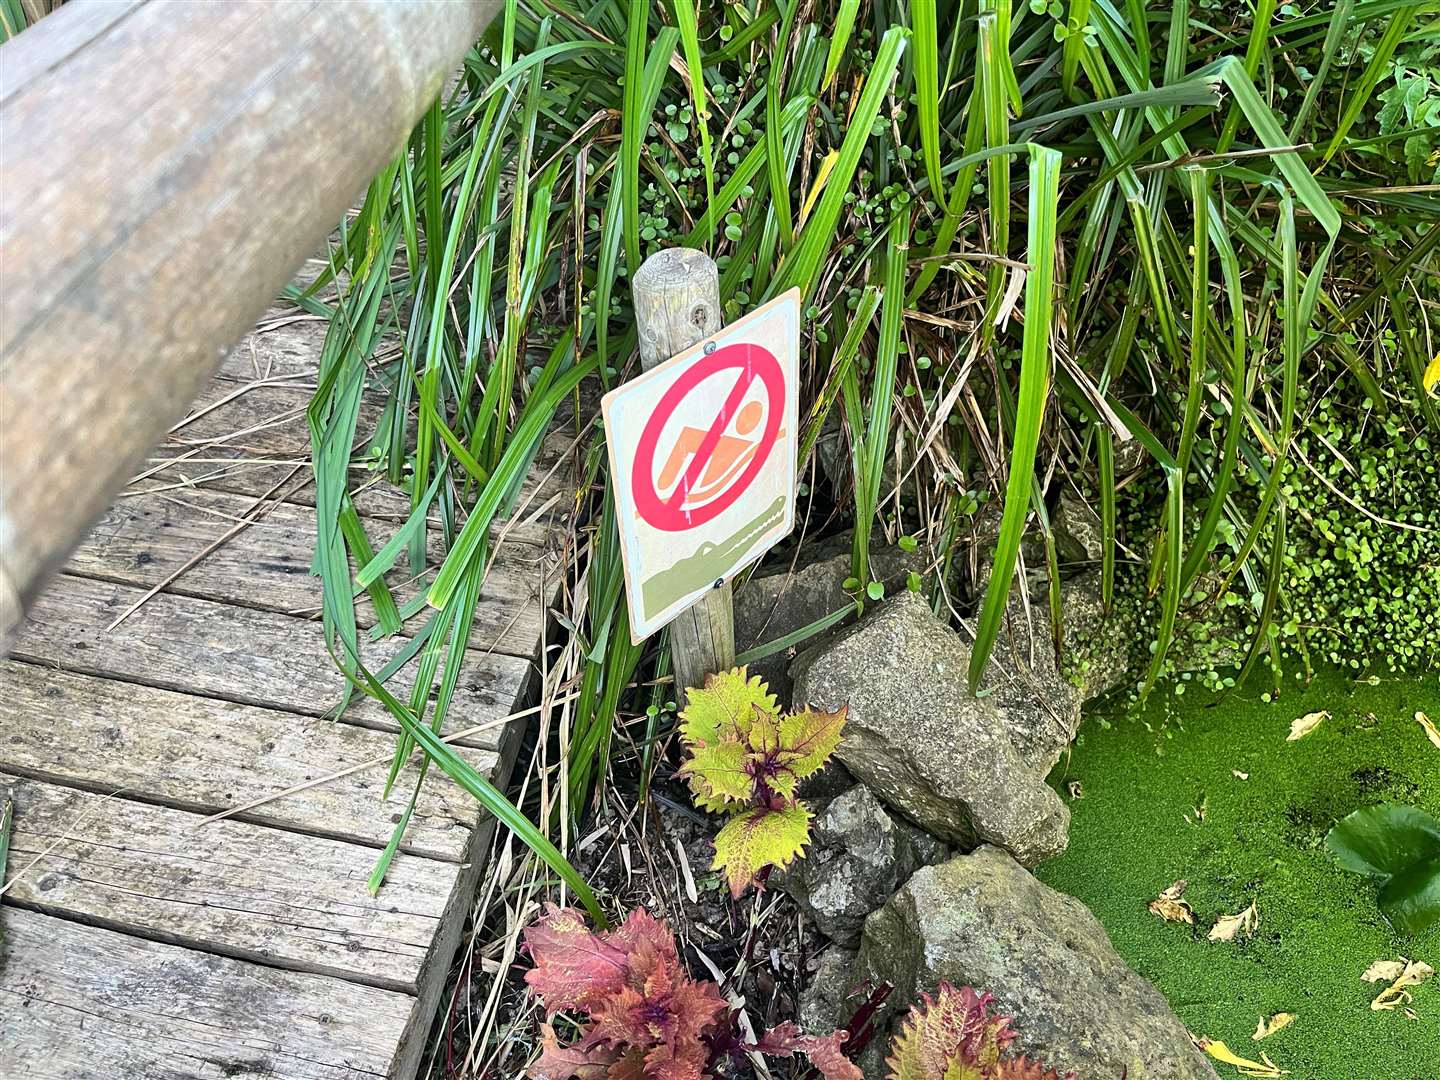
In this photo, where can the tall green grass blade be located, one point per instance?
(840, 32)
(507, 476)
(1375, 69)
(1030, 407)
(875, 441)
(484, 792)
(801, 265)
(925, 34)
(689, 29)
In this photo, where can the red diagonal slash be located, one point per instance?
(712, 438)
(754, 363)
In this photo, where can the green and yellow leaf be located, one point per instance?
(725, 707)
(717, 774)
(812, 736)
(758, 838)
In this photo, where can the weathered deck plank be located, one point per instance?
(79, 1002)
(301, 904)
(257, 437)
(207, 756)
(238, 654)
(141, 943)
(146, 539)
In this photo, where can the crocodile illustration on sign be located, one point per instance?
(710, 563)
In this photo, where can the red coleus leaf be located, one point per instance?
(645, 1017)
(574, 967)
(954, 1036)
(558, 1062)
(823, 1050)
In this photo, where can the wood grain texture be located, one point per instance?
(79, 1002)
(677, 306)
(144, 539)
(237, 654)
(145, 239)
(242, 890)
(206, 756)
(453, 923)
(245, 437)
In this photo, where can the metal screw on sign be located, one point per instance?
(677, 305)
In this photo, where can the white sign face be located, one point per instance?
(702, 456)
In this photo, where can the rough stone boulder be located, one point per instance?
(981, 920)
(782, 599)
(857, 858)
(918, 739)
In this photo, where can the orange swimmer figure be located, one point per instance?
(732, 453)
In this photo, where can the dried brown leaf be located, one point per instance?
(1265, 1028)
(1397, 994)
(1228, 926)
(1170, 907)
(1431, 732)
(1220, 1052)
(1304, 725)
(1383, 971)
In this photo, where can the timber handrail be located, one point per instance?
(164, 170)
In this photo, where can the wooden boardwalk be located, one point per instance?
(140, 943)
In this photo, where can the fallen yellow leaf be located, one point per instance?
(1170, 907)
(1396, 994)
(1227, 926)
(1266, 1028)
(1431, 378)
(1383, 971)
(1220, 1052)
(1431, 732)
(826, 167)
(1239, 775)
(1304, 725)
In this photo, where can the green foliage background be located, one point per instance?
(1173, 259)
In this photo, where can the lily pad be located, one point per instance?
(1385, 840)
(1411, 899)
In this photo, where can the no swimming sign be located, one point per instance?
(702, 456)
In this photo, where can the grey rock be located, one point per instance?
(856, 859)
(1040, 698)
(925, 850)
(981, 920)
(831, 1000)
(826, 1001)
(918, 739)
(1078, 534)
(1096, 656)
(820, 787)
(781, 599)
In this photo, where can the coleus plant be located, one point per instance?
(746, 760)
(642, 1017)
(954, 1036)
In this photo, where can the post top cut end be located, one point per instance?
(674, 268)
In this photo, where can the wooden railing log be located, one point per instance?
(165, 167)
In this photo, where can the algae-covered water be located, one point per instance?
(1213, 793)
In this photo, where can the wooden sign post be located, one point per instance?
(676, 294)
(702, 455)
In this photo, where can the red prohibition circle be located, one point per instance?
(751, 362)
